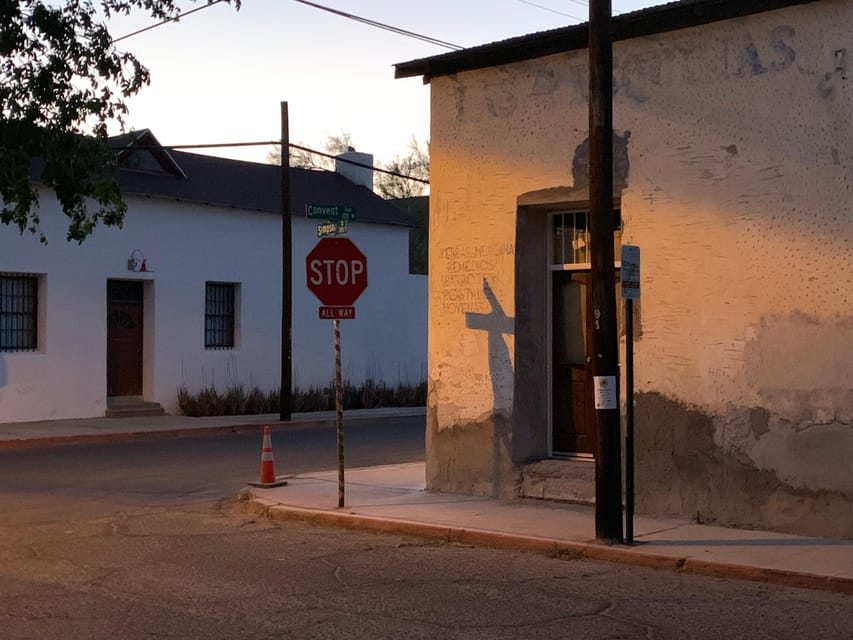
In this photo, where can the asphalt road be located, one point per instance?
(144, 540)
(204, 466)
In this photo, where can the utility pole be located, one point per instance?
(605, 347)
(286, 272)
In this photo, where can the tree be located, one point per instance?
(414, 165)
(62, 80)
(334, 145)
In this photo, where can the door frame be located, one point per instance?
(532, 415)
(147, 352)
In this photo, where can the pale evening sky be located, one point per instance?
(219, 75)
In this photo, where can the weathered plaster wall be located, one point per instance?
(741, 159)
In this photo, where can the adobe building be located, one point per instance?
(733, 169)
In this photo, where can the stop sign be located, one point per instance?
(337, 272)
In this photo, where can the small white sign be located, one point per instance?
(630, 272)
(605, 392)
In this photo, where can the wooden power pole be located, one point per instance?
(605, 356)
(286, 272)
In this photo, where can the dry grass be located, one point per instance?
(237, 400)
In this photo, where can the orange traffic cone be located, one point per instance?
(267, 468)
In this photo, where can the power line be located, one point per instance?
(560, 13)
(382, 25)
(357, 164)
(268, 143)
(168, 20)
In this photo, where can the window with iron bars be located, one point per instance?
(571, 237)
(18, 312)
(219, 315)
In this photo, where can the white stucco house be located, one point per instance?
(733, 160)
(188, 292)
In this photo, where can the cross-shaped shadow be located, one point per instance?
(497, 324)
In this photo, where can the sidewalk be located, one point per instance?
(393, 499)
(18, 435)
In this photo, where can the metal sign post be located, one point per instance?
(337, 274)
(339, 412)
(630, 292)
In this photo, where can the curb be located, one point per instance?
(576, 550)
(130, 436)
(156, 434)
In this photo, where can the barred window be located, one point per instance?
(219, 312)
(571, 237)
(18, 312)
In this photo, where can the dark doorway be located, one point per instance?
(124, 338)
(573, 404)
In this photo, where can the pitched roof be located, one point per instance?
(658, 19)
(147, 169)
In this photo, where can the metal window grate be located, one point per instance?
(219, 315)
(18, 312)
(571, 237)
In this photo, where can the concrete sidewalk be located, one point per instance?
(393, 499)
(16, 435)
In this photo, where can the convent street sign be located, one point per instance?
(330, 212)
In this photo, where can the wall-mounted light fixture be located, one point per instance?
(137, 262)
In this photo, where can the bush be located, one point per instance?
(237, 401)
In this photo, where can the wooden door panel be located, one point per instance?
(573, 426)
(124, 349)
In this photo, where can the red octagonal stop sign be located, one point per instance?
(337, 272)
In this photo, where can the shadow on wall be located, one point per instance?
(3, 377)
(497, 324)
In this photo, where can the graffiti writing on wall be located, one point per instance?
(743, 56)
(461, 282)
(739, 55)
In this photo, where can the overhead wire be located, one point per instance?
(544, 8)
(267, 143)
(382, 25)
(167, 21)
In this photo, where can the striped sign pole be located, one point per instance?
(339, 411)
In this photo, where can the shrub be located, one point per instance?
(237, 401)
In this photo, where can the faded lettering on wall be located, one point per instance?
(463, 273)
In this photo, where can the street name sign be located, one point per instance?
(330, 212)
(332, 228)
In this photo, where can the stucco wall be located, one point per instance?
(185, 246)
(738, 194)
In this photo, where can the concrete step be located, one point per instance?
(562, 480)
(132, 407)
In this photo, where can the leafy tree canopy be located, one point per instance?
(414, 164)
(62, 80)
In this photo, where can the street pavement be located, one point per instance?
(394, 499)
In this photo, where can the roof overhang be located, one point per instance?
(654, 20)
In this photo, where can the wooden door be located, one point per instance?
(572, 392)
(124, 338)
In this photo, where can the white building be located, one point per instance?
(188, 292)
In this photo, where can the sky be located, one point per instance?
(219, 75)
